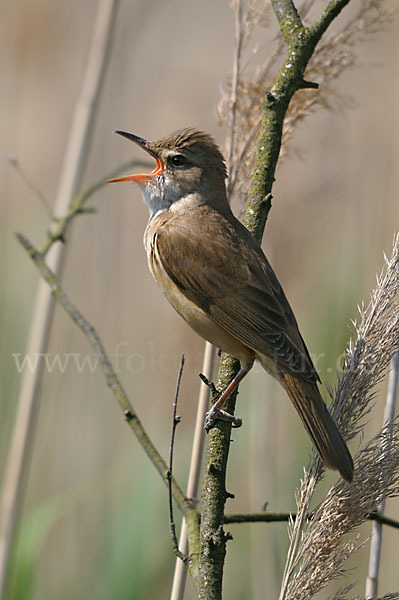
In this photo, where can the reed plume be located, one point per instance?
(317, 547)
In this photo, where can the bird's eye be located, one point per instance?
(178, 160)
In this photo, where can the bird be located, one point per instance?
(216, 276)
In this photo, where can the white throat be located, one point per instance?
(160, 193)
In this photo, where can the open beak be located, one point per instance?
(139, 177)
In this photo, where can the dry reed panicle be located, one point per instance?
(317, 549)
(368, 357)
(242, 95)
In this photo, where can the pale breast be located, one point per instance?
(197, 318)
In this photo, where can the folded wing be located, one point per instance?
(238, 289)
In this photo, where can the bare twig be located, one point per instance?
(78, 205)
(110, 376)
(42, 316)
(376, 535)
(272, 517)
(332, 10)
(190, 513)
(169, 475)
(13, 160)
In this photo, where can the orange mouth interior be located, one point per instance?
(141, 177)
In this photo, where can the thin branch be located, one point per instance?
(169, 475)
(77, 205)
(112, 380)
(13, 160)
(260, 517)
(379, 518)
(331, 11)
(283, 517)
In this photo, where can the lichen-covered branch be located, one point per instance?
(301, 43)
(212, 536)
(288, 18)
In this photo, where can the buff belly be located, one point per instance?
(197, 318)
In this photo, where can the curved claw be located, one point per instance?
(221, 415)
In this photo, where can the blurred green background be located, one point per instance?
(95, 520)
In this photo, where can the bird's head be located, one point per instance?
(188, 165)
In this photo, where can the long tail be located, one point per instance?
(319, 424)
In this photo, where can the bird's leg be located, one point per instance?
(216, 412)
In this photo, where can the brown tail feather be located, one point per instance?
(319, 424)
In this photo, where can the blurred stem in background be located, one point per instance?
(376, 535)
(197, 452)
(17, 467)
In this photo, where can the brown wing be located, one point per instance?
(237, 287)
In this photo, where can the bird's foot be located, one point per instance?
(215, 414)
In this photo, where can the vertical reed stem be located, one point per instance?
(17, 467)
